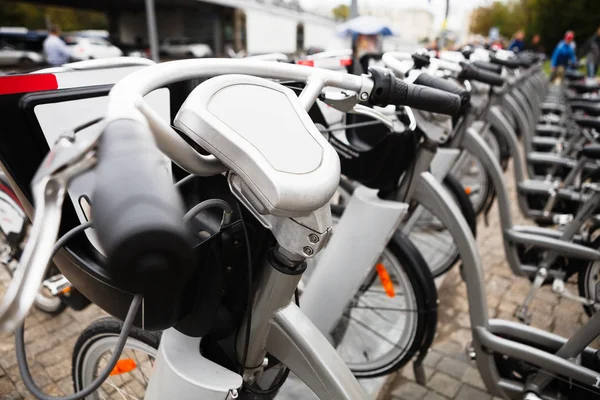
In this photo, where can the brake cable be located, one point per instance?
(20, 339)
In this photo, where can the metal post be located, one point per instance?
(442, 43)
(152, 31)
(354, 9)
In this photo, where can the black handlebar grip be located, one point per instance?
(512, 64)
(495, 68)
(387, 89)
(471, 73)
(435, 82)
(137, 213)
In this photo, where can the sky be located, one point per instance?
(459, 9)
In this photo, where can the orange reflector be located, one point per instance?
(308, 63)
(66, 290)
(346, 62)
(468, 190)
(123, 366)
(384, 277)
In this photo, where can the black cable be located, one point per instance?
(250, 300)
(67, 236)
(87, 124)
(185, 180)
(210, 203)
(37, 392)
(250, 297)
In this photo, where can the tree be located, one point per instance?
(34, 17)
(508, 18)
(341, 12)
(549, 18)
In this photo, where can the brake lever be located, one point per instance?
(49, 186)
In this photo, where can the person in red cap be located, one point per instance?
(564, 54)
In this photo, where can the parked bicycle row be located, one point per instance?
(244, 219)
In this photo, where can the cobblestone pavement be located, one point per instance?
(449, 372)
(50, 340)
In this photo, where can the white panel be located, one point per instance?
(57, 118)
(268, 33)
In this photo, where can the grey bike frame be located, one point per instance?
(485, 332)
(514, 235)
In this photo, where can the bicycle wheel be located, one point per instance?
(388, 319)
(588, 279)
(13, 232)
(474, 178)
(129, 378)
(433, 240)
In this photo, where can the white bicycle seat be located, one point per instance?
(260, 130)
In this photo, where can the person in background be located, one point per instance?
(518, 43)
(591, 49)
(535, 44)
(563, 55)
(57, 52)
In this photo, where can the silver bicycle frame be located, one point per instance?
(278, 326)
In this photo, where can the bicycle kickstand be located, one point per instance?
(522, 311)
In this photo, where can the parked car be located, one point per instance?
(11, 55)
(88, 48)
(19, 46)
(184, 47)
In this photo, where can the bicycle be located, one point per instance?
(287, 228)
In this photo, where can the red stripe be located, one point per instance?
(10, 193)
(27, 83)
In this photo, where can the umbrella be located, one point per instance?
(364, 25)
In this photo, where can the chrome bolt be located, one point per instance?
(265, 362)
(308, 251)
(364, 96)
(229, 268)
(313, 238)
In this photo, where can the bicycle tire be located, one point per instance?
(99, 330)
(503, 146)
(586, 272)
(425, 293)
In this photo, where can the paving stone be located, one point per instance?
(58, 322)
(467, 392)
(8, 389)
(409, 391)
(433, 396)
(444, 384)
(462, 336)
(473, 378)
(60, 370)
(432, 359)
(449, 348)
(65, 385)
(452, 367)
(39, 375)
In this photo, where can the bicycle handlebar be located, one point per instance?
(137, 212)
(435, 82)
(390, 90)
(471, 72)
(495, 68)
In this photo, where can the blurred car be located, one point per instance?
(20, 47)
(89, 48)
(10, 55)
(184, 47)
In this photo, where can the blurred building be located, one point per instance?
(256, 26)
